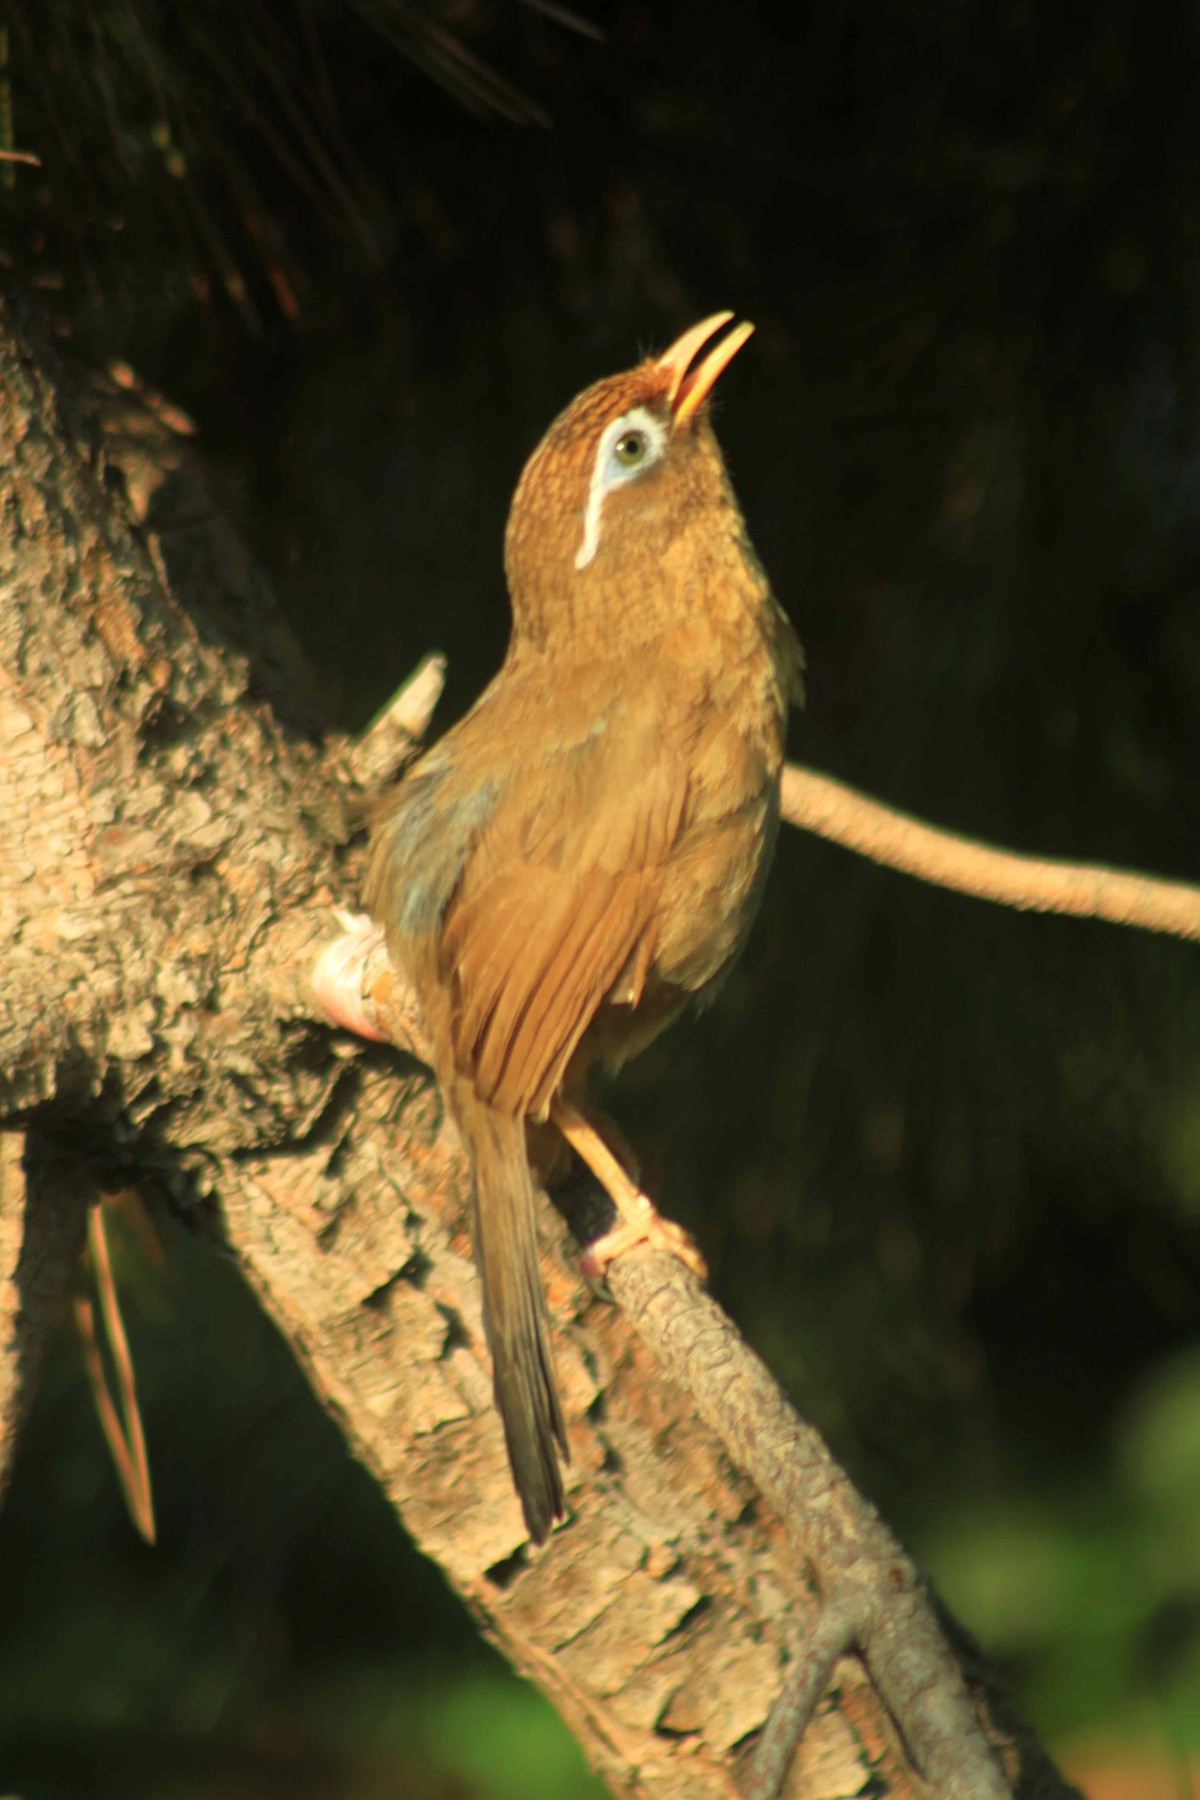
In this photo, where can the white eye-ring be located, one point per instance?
(627, 448)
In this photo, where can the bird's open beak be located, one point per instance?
(689, 387)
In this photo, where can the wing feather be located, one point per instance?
(587, 961)
(543, 928)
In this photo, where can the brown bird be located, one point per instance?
(580, 857)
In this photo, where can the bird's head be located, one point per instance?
(626, 485)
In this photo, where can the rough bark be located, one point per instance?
(170, 856)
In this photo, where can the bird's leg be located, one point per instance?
(639, 1220)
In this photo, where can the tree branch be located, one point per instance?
(840, 813)
(873, 1599)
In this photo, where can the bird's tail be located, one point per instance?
(514, 1307)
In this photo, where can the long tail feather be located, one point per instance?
(514, 1307)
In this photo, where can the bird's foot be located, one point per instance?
(639, 1220)
(652, 1229)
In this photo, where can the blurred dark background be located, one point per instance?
(944, 1159)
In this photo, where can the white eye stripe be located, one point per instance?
(652, 428)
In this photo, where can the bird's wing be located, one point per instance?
(557, 904)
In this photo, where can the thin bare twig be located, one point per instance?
(1032, 883)
(395, 731)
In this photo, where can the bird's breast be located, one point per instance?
(713, 880)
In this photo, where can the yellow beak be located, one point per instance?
(688, 388)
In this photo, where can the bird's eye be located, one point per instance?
(630, 449)
(627, 450)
